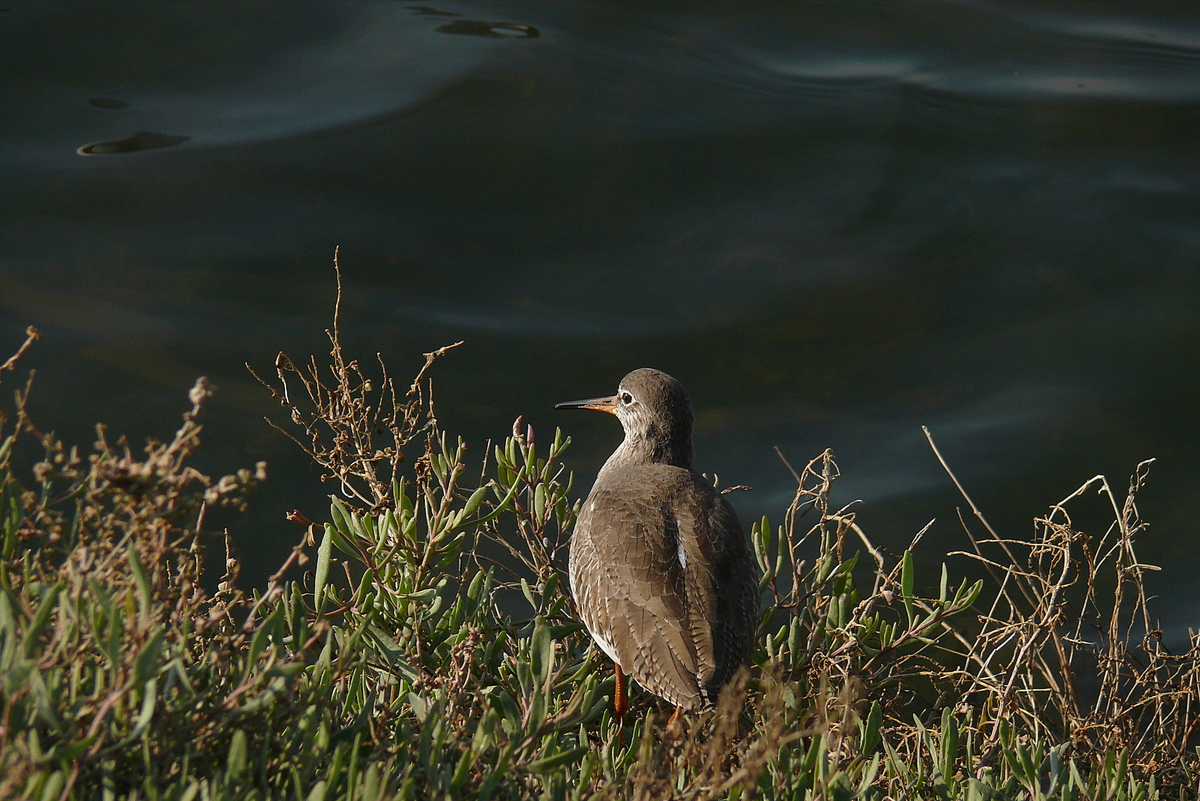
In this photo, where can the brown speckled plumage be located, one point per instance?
(663, 576)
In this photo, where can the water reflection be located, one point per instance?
(469, 27)
(142, 140)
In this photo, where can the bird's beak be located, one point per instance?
(608, 404)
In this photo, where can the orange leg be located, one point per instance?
(620, 703)
(674, 721)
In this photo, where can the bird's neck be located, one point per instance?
(640, 449)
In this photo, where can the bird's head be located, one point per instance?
(656, 414)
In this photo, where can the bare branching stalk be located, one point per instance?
(31, 336)
(1049, 627)
(341, 412)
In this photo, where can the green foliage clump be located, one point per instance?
(432, 650)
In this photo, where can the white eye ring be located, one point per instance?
(626, 398)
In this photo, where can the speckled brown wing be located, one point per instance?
(735, 578)
(653, 550)
(629, 591)
(722, 582)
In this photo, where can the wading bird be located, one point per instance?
(663, 576)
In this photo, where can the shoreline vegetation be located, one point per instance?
(421, 643)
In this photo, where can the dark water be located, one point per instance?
(834, 221)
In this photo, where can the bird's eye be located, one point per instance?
(626, 399)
